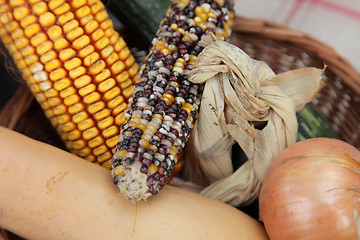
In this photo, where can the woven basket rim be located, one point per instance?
(269, 29)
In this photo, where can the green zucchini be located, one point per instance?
(141, 18)
(312, 124)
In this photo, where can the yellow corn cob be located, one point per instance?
(164, 104)
(79, 69)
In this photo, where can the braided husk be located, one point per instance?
(281, 48)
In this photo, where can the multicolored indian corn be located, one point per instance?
(77, 66)
(164, 104)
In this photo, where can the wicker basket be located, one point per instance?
(280, 47)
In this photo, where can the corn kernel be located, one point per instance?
(62, 84)
(61, 43)
(111, 142)
(87, 123)
(78, 144)
(107, 51)
(107, 122)
(90, 158)
(109, 132)
(17, 56)
(104, 159)
(67, 127)
(106, 85)
(102, 43)
(86, 51)
(95, 36)
(90, 133)
(130, 61)
(117, 67)
(133, 70)
(122, 77)
(78, 107)
(70, 25)
(16, 33)
(62, 9)
(144, 143)
(81, 42)
(48, 56)
(21, 42)
(124, 54)
(119, 170)
(12, 26)
(72, 63)
(96, 7)
(78, 3)
(61, 119)
(128, 91)
(82, 81)
(85, 19)
(102, 114)
(67, 54)
(112, 58)
(90, 59)
(115, 102)
(105, 74)
(21, 12)
(77, 72)
(57, 74)
(96, 107)
(101, 16)
(47, 19)
(74, 33)
(49, 93)
(111, 33)
(97, 141)
(59, 109)
(83, 12)
(40, 8)
(119, 46)
(126, 84)
(97, 67)
(52, 65)
(92, 98)
(30, 19)
(71, 100)
(16, 3)
(54, 32)
(87, 89)
(30, 60)
(45, 106)
(53, 4)
(63, 19)
(67, 92)
(81, 116)
(74, 135)
(91, 26)
(32, 29)
(120, 119)
(100, 150)
(153, 169)
(112, 93)
(85, 152)
(28, 50)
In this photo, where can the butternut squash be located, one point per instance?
(47, 193)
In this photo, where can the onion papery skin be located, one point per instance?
(311, 191)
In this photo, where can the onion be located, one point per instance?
(312, 191)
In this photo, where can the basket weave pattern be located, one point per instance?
(281, 48)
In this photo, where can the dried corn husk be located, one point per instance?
(240, 96)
